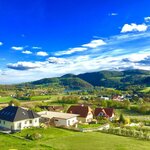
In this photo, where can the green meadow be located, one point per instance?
(60, 139)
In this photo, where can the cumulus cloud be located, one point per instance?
(124, 51)
(42, 53)
(94, 43)
(1, 43)
(55, 60)
(70, 51)
(36, 47)
(134, 27)
(147, 19)
(26, 52)
(24, 65)
(17, 48)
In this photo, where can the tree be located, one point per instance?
(122, 119)
(14, 102)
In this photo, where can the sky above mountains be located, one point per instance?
(47, 38)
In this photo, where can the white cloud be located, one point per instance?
(36, 47)
(134, 27)
(124, 51)
(55, 60)
(1, 43)
(95, 43)
(113, 14)
(24, 65)
(137, 57)
(26, 52)
(147, 19)
(17, 48)
(42, 53)
(70, 51)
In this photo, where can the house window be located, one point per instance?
(3, 122)
(101, 114)
(0, 121)
(19, 125)
(25, 122)
(30, 121)
(35, 120)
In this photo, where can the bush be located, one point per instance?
(69, 100)
(122, 119)
(34, 136)
(14, 102)
(128, 133)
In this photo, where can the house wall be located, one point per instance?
(65, 122)
(19, 125)
(6, 124)
(81, 120)
(87, 119)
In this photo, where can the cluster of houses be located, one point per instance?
(17, 118)
(119, 98)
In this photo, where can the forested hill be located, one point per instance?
(114, 79)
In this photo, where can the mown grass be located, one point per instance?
(146, 90)
(5, 99)
(61, 139)
(46, 97)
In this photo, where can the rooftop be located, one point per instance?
(51, 114)
(14, 113)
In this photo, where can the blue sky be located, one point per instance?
(47, 38)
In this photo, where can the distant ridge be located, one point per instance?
(114, 79)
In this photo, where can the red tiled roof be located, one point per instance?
(107, 111)
(80, 110)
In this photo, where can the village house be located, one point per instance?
(58, 118)
(118, 98)
(85, 113)
(104, 112)
(16, 118)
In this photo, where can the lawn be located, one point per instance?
(5, 99)
(45, 97)
(146, 90)
(131, 114)
(61, 139)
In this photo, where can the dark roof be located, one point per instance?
(80, 110)
(14, 113)
(107, 111)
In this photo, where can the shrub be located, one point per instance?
(34, 136)
(122, 119)
(14, 102)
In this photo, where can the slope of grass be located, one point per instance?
(5, 99)
(61, 139)
(146, 90)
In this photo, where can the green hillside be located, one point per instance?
(111, 79)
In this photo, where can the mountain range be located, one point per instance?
(110, 79)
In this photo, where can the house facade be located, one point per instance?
(104, 112)
(58, 118)
(85, 113)
(16, 118)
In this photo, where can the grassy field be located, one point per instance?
(45, 97)
(146, 90)
(5, 99)
(131, 114)
(60, 139)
